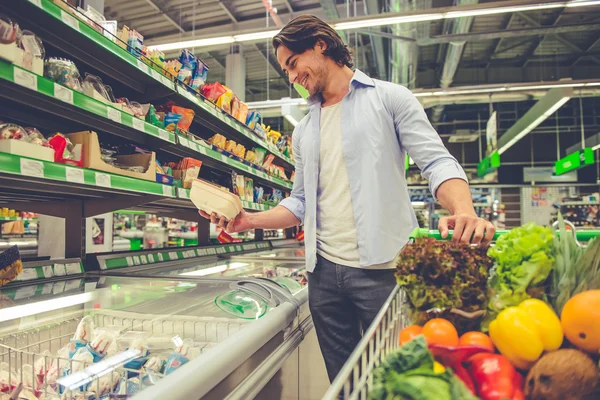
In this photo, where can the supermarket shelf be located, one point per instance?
(17, 219)
(49, 96)
(65, 32)
(63, 181)
(57, 99)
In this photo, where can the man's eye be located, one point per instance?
(293, 64)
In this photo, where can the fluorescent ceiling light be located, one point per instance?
(382, 20)
(582, 3)
(214, 270)
(194, 43)
(269, 255)
(26, 310)
(402, 19)
(255, 36)
(534, 124)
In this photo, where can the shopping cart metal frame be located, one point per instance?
(380, 339)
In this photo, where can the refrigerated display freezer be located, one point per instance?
(297, 365)
(39, 319)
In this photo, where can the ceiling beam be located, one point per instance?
(228, 11)
(270, 57)
(288, 5)
(558, 37)
(590, 47)
(505, 33)
(164, 13)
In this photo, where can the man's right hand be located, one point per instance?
(240, 223)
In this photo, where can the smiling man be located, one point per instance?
(350, 189)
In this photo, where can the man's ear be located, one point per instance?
(320, 46)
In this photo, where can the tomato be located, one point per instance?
(477, 339)
(409, 333)
(440, 331)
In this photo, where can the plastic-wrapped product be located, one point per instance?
(106, 384)
(218, 140)
(248, 189)
(258, 194)
(171, 121)
(99, 346)
(213, 91)
(253, 119)
(240, 151)
(187, 117)
(64, 72)
(12, 131)
(230, 146)
(200, 75)
(260, 155)
(82, 358)
(268, 160)
(9, 30)
(224, 101)
(152, 118)
(188, 66)
(242, 112)
(250, 156)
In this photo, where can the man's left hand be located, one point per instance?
(467, 228)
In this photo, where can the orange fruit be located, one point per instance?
(440, 331)
(409, 333)
(580, 320)
(476, 339)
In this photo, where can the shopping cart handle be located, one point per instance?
(582, 235)
(431, 233)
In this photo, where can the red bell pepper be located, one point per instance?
(495, 377)
(453, 357)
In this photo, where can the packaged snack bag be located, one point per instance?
(188, 66)
(243, 112)
(99, 346)
(200, 74)
(253, 119)
(224, 101)
(250, 156)
(230, 146)
(187, 117)
(240, 151)
(248, 189)
(213, 91)
(218, 140)
(260, 155)
(171, 121)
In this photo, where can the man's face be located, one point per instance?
(308, 69)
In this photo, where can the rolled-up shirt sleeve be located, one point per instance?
(295, 203)
(422, 143)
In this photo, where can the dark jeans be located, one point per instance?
(343, 302)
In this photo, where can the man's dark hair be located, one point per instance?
(303, 32)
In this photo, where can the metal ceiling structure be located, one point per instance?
(506, 48)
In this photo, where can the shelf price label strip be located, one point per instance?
(49, 271)
(44, 86)
(215, 155)
(13, 164)
(116, 262)
(123, 54)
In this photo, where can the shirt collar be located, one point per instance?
(358, 76)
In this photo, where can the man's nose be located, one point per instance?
(292, 78)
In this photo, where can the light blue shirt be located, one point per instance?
(381, 122)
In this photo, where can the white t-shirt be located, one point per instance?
(336, 228)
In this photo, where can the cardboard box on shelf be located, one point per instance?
(25, 149)
(187, 176)
(92, 158)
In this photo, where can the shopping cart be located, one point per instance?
(381, 338)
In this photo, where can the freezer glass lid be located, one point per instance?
(274, 254)
(291, 275)
(138, 329)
